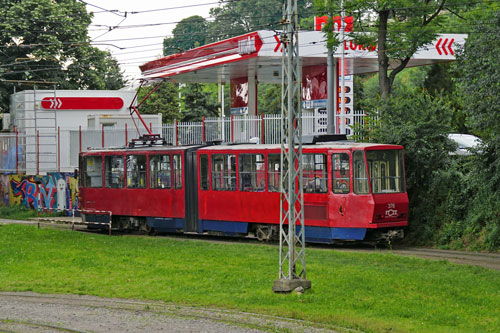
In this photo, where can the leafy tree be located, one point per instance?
(419, 122)
(199, 103)
(233, 18)
(164, 100)
(479, 85)
(397, 27)
(269, 98)
(46, 40)
(189, 33)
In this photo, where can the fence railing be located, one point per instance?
(70, 142)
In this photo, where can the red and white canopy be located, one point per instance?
(258, 54)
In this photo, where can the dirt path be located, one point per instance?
(31, 312)
(487, 260)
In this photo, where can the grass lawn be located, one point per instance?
(367, 291)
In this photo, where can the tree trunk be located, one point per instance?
(383, 60)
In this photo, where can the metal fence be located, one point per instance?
(234, 129)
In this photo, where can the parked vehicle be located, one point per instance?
(352, 191)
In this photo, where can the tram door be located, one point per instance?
(191, 193)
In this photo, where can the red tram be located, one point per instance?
(352, 191)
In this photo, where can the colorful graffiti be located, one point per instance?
(53, 191)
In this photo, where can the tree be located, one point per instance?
(189, 33)
(46, 40)
(420, 123)
(479, 85)
(233, 18)
(199, 103)
(397, 27)
(164, 100)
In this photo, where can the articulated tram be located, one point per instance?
(352, 191)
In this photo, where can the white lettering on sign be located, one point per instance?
(247, 46)
(391, 210)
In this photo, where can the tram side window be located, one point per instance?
(160, 172)
(224, 172)
(177, 171)
(273, 172)
(204, 181)
(136, 171)
(252, 173)
(340, 172)
(92, 171)
(360, 176)
(114, 171)
(314, 173)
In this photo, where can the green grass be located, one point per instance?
(16, 212)
(367, 291)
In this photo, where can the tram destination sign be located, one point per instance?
(82, 103)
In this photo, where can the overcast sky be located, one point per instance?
(130, 42)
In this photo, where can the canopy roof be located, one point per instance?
(259, 53)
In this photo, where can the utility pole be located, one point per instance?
(342, 69)
(292, 260)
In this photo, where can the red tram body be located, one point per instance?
(352, 191)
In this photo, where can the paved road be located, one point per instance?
(31, 312)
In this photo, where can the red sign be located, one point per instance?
(82, 103)
(443, 46)
(320, 21)
(360, 47)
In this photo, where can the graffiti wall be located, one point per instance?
(53, 191)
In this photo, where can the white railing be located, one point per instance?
(237, 129)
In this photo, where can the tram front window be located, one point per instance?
(386, 172)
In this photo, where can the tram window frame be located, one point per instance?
(360, 184)
(90, 177)
(315, 184)
(117, 171)
(204, 172)
(177, 171)
(273, 172)
(341, 167)
(251, 168)
(137, 171)
(160, 178)
(224, 172)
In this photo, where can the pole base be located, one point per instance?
(286, 285)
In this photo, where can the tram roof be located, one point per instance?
(259, 53)
(244, 146)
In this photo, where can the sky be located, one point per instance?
(129, 40)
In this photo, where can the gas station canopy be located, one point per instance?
(259, 54)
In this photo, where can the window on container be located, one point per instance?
(114, 171)
(177, 171)
(224, 172)
(360, 176)
(273, 172)
(386, 170)
(340, 173)
(92, 171)
(204, 181)
(314, 173)
(252, 173)
(160, 171)
(136, 171)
